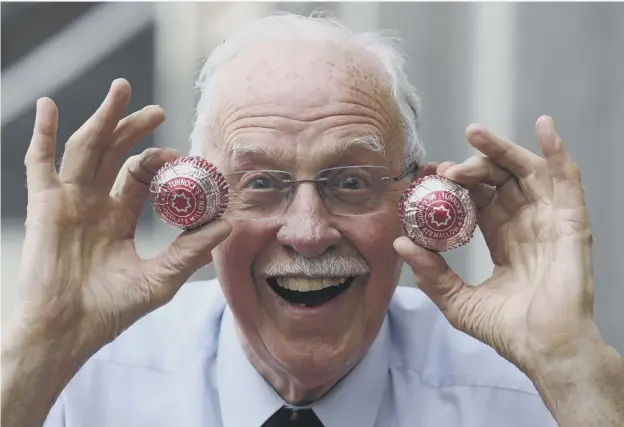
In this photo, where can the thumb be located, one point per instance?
(190, 251)
(435, 277)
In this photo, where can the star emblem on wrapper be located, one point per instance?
(189, 192)
(181, 202)
(440, 216)
(437, 213)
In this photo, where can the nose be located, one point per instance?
(307, 226)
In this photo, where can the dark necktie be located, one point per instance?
(286, 417)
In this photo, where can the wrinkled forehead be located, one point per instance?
(358, 147)
(332, 94)
(290, 71)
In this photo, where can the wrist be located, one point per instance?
(31, 330)
(25, 352)
(35, 370)
(583, 388)
(582, 361)
(562, 349)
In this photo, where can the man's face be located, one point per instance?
(297, 106)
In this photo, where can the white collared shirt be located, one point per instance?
(183, 365)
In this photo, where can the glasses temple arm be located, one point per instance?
(408, 171)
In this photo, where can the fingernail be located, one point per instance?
(37, 113)
(39, 107)
(170, 150)
(109, 93)
(476, 130)
(544, 122)
(150, 107)
(113, 83)
(551, 123)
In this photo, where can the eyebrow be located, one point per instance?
(241, 148)
(369, 141)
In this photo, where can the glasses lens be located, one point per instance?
(348, 191)
(257, 194)
(356, 190)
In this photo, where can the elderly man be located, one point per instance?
(305, 325)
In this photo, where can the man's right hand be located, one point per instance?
(81, 281)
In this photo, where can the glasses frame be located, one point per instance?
(410, 169)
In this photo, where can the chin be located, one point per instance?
(317, 369)
(317, 362)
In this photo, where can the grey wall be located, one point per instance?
(504, 65)
(568, 62)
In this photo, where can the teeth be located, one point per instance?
(305, 285)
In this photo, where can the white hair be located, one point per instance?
(315, 27)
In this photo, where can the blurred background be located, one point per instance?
(501, 64)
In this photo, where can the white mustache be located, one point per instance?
(327, 265)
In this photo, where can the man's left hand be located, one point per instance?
(536, 310)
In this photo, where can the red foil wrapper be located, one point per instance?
(189, 192)
(437, 213)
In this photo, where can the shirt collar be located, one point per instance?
(247, 400)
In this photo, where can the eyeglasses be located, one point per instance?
(346, 191)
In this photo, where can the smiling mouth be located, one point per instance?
(306, 292)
